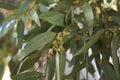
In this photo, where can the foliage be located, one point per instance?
(46, 29)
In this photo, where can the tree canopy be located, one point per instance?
(35, 36)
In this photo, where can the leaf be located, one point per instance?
(7, 6)
(20, 32)
(14, 66)
(91, 42)
(25, 5)
(114, 47)
(50, 68)
(108, 72)
(89, 16)
(33, 58)
(42, 7)
(61, 6)
(1, 69)
(3, 30)
(34, 17)
(53, 17)
(6, 27)
(29, 63)
(37, 30)
(57, 66)
(62, 64)
(36, 43)
(27, 76)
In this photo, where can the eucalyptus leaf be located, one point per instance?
(114, 47)
(108, 72)
(1, 69)
(25, 5)
(89, 16)
(20, 32)
(91, 42)
(42, 7)
(58, 66)
(27, 76)
(62, 64)
(36, 43)
(34, 17)
(53, 17)
(14, 67)
(7, 6)
(50, 68)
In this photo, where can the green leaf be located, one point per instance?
(108, 72)
(7, 6)
(14, 66)
(61, 6)
(25, 5)
(42, 7)
(37, 30)
(36, 43)
(114, 47)
(62, 64)
(34, 17)
(89, 16)
(91, 42)
(27, 76)
(58, 66)
(29, 62)
(4, 27)
(1, 69)
(50, 68)
(20, 32)
(53, 17)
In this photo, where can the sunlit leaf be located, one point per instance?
(89, 16)
(42, 8)
(34, 17)
(58, 66)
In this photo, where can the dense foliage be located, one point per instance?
(36, 34)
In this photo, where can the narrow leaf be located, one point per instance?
(7, 6)
(1, 69)
(42, 7)
(34, 17)
(108, 72)
(57, 66)
(114, 47)
(91, 42)
(27, 76)
(14, 66)
(50, 68)
(20, 32)
(36, 43)
(53, 17)
(89, 16)
(62, 64)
